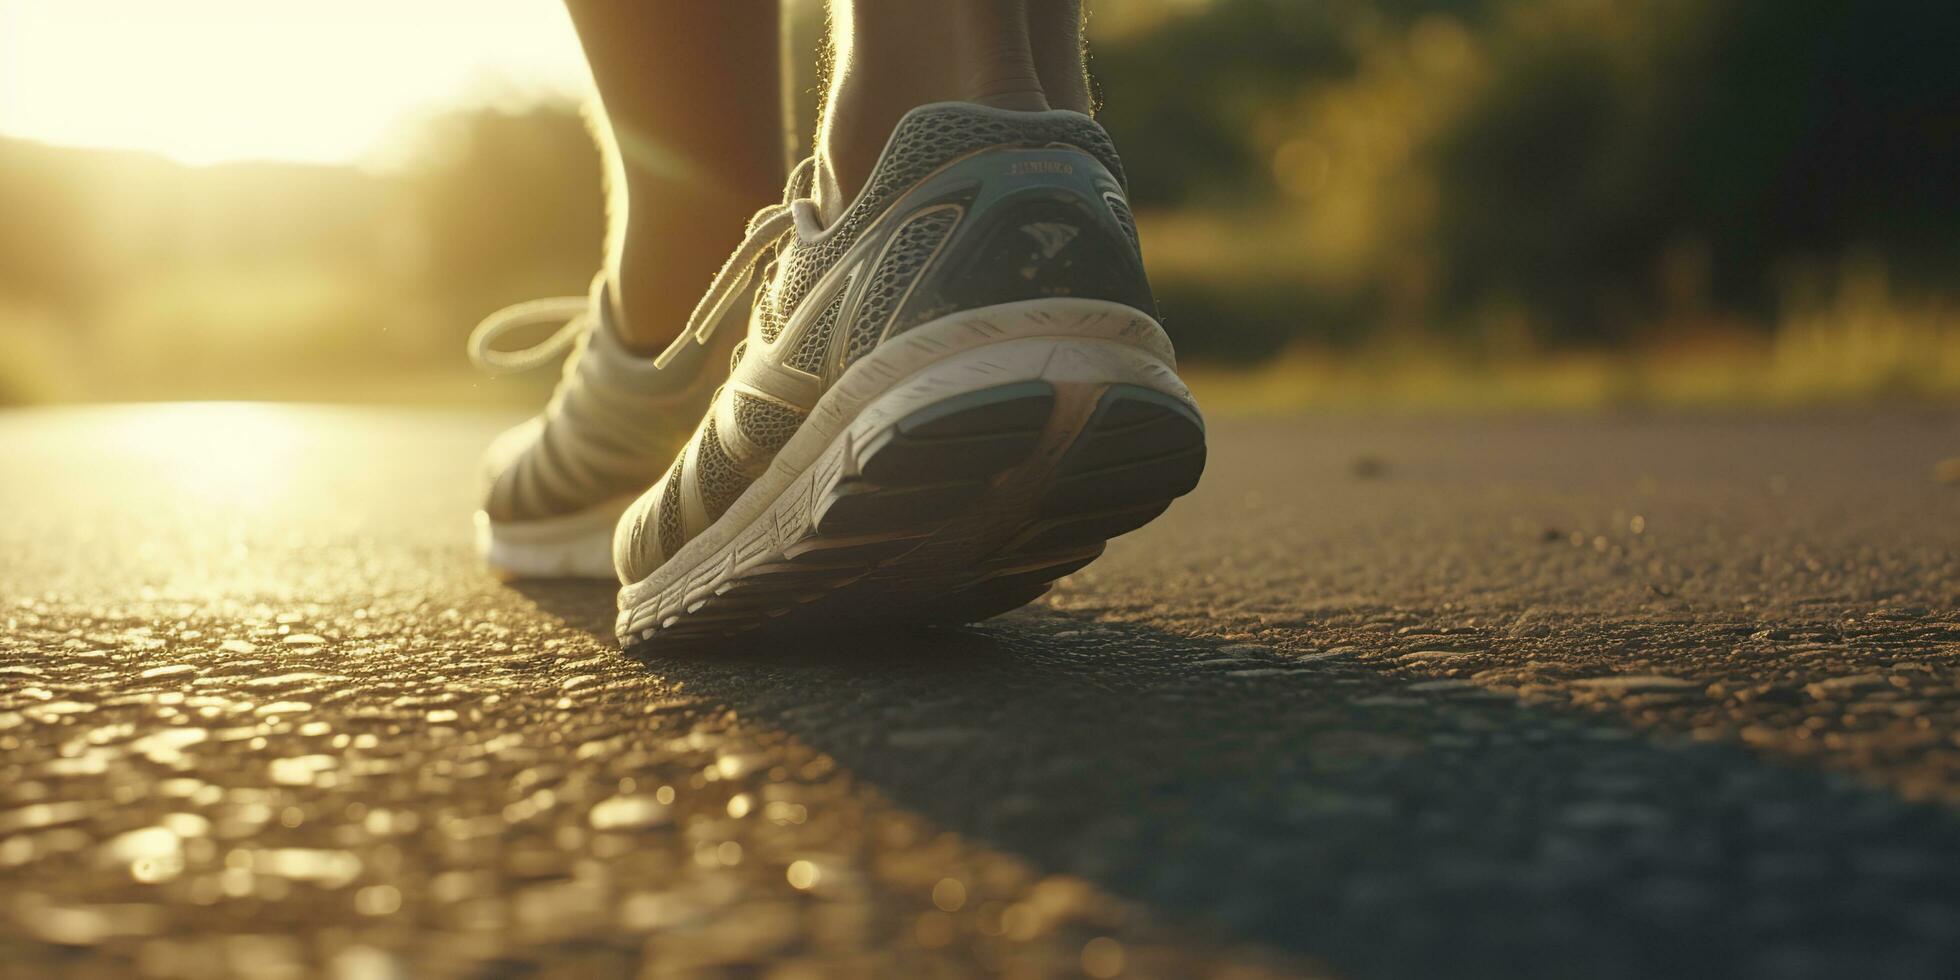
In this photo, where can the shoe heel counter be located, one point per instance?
(1012, 224)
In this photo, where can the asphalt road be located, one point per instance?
(1609, 698)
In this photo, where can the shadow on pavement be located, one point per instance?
(580, 603)
(1336, 811)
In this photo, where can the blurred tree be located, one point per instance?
(1614, 160)
(1746, 133)
(509, 207)
(1569, 171)
(1183, 99)
(42, 237)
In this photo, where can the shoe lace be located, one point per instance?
(728, 287)
(575, 312)
(731, 283)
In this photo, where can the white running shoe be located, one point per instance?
(946, 400)
(554, 487)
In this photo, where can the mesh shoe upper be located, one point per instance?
(968, 206)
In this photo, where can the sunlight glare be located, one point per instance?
(206, 81)
(232, 457)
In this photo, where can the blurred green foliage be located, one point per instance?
(1586, 169)
(127, 275)
(1502, 176)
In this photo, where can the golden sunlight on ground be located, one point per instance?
(230, 456)
(204, 81)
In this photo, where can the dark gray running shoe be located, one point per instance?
(946, 400)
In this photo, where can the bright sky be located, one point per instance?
(204, 81)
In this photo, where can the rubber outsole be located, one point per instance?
(577, 545)
(966, 508)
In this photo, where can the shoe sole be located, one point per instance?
(576, 545)
(963, 490)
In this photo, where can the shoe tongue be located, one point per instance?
(607, 361)
(802, 181)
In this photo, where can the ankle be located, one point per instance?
(1055, 41)
(1007, 85)
(669, 236)
(848, 144)
(891, 56)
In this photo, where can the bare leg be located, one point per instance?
(1055, 34)
(889, 56)
(694, 140)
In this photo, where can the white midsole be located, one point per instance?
(577, 545)
(1060, 339)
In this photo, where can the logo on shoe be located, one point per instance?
(1024, 168)
(1051, 236)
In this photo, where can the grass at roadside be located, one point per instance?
(1844, 358)
(1847, 355)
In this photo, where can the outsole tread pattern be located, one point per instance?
(956, 512)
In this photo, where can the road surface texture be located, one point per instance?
(1605, 698)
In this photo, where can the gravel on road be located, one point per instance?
(1609, 697)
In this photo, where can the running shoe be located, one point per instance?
(946, 400)
(554, 487)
